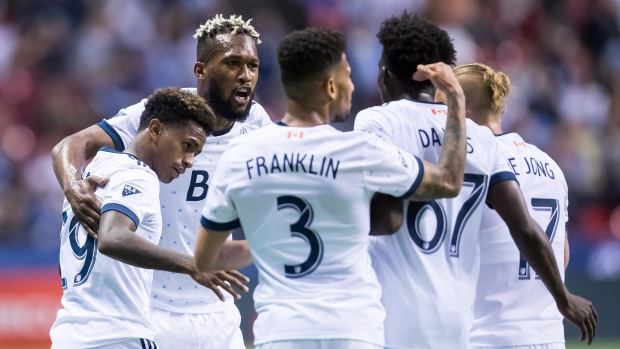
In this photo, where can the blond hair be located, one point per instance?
(220, 25)
(496, 85)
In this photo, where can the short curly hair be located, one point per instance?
(409, 40)
(173, 106)
(206, 33)
(307, 54)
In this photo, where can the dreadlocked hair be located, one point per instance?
(234, 25)
(408, 41)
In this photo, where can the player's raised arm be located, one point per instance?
(68, 159)
(445, 179)
(507, 199)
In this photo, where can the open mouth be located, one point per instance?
(242, 95)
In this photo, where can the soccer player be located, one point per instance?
(301, 190)
(184, 314)
(428, 269)
(106, 293)
(513, 308)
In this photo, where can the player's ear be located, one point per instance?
(330, 88)
(155, 129)
(200, 70)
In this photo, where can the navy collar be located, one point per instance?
(223, 132)
(501, 134)
(280, 123)
(417, 101)
(114, 151)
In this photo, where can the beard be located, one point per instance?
(224, 108)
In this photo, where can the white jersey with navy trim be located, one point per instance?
(302, 196)
(513, 307)
(181, 203)
(428, 269)
(106, 301)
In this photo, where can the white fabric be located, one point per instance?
(106, 301)
(535, 346)
(428, 273)
(303, 200)
(181, 202)
(215, 330)
(513, 307)
(319, 344)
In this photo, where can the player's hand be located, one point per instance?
(213, 279)
(85, 206)
(581, 312)
(442, 76)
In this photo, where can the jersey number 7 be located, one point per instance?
(539, 204)
(414, 214)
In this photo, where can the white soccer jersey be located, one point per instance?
(303, 200)
(428, 269)
(106, 301)
(513, 307)
(181, 203)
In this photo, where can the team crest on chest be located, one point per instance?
(129, 190)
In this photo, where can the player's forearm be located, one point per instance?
(535, 247)
(68, 158)
(445, 179)
(208, 246)
(233, 255)
(128, 248)
(454, 147)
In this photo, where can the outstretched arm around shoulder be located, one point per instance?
(68, 159)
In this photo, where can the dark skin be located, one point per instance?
(168, 151)
(507, 199)
(234, 64)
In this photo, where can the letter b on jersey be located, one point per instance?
(198, 186)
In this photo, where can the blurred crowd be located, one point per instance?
(67, 64)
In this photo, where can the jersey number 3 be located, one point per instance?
(301, 229)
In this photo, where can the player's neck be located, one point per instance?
(298, 115)
(422, 97)
(491, 121)
(141, 152)
(223, 124)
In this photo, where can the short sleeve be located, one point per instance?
(369, 121)
(262, 115)
(502, 171)
(123, 127)
(219, 212)
(390, 170)
(133, 193)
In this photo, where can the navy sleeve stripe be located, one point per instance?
(502, 176)
(116, 138)
(122, 209)
(211, 225)
(417, 181)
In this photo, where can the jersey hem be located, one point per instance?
(500, 345)
(196, 310)
(417, 181)
(211, 225)
(502, 176)
(122, 209)
(116, 138)
(306, 336)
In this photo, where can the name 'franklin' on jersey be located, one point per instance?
(428, 269)
(303, 200)
(181, 203)
(513, 306)
(104, 300)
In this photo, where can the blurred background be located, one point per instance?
(67, 64)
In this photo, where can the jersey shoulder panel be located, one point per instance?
(257, 116)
